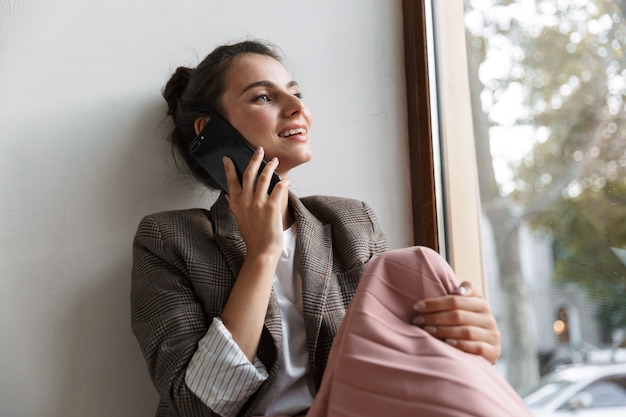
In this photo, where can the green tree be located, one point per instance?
(573, 183)
(567, 59)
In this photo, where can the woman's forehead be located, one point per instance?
(254, 68)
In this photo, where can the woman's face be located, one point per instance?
(263, 103)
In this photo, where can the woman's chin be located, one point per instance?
(285, 166)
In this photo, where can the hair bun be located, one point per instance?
(175, 88)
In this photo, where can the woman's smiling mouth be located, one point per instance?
(292, 132)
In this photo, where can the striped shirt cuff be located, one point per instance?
(220, 374)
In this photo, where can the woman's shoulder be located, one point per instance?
(178, 215)
(329, 207)
(175, 222)
(355, 229)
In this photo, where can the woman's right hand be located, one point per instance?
(259, 215)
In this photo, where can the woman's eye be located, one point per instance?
(299, 95)
(263, 97)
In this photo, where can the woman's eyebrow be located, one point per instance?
(265, 83)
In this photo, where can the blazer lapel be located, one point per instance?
(227, 234)
(314, 261)
(233, 247)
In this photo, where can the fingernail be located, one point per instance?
(419, 320)
(420, 305)
(460, 290)
(451, 342)
(259, 150)
(431, 329)
(225, 159)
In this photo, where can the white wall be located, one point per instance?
(83, 158)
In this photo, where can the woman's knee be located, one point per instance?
(420, 264)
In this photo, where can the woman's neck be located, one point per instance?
(288, 216)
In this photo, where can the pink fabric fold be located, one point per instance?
(382, 365)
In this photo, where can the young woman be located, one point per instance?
(270, 304)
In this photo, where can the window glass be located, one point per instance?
(548, 90)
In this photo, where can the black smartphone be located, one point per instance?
(217, 139)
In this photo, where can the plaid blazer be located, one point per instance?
(184, 266)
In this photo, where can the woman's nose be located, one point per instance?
(293, 105)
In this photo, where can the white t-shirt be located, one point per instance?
(222, 377)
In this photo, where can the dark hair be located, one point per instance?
(193, 93)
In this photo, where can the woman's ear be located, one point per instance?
(199, 124)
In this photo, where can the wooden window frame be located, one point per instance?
(420, 128)
(444, 179)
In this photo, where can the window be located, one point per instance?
(529, 101)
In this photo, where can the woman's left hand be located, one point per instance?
(463, 320)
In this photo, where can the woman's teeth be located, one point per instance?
(291, 132)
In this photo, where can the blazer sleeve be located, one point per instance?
(166, 318)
